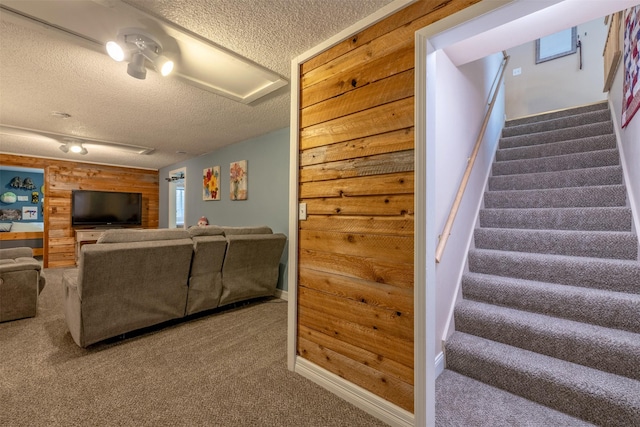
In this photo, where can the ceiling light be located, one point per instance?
(115, 51)
(136, 46)
(74, 147)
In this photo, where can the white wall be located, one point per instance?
(629, 145)
(558, 83)
(461, 98)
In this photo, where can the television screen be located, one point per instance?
(105, 208)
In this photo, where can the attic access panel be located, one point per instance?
(198, 61)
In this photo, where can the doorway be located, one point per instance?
(177, 200)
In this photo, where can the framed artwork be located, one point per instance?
(29, 212)
(238, 180)
(211, 183)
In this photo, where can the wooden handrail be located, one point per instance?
(446, 231)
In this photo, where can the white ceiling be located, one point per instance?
(43, 71)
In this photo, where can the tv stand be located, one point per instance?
(86, 236)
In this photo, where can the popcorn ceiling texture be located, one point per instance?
(43, 72)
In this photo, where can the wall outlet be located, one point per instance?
(302, 212)
(517, 71)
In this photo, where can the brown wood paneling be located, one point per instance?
(376, 144)
(394, 63)
(376, 294)
(356, 176)
(400, 161)
(384, 118)
(360, 224)
(435, 9)
(384, 345)
(375, 270)
(380, 364)
(401, 204)
(394, 88)
(358, 372)
(384, 247)
(61, 177)
(397, 183)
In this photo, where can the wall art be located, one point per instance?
(211, 183)
(29, 212)
(238, 180)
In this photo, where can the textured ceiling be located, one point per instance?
(42, 72)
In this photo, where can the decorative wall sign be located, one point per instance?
(211, 183)
(238, 180)
(29, 212)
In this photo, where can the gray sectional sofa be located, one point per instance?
(133, 279)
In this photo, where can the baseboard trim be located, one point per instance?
(439, 363)
(363, 399)
(284, 295)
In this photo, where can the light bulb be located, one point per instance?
(75, 148)
(115, 51)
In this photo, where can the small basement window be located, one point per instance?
(557, 45)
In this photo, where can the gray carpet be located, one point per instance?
(551, 302)
(226, 368)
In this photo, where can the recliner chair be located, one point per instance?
(21, 281)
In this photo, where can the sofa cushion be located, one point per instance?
(125, 235)
(207, 230)
(232, 231)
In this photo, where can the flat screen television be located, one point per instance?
(105, 208)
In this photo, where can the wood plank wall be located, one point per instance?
(63, 176)
(355, 268)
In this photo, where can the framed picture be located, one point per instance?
(238, 180)
(29, 212)
(211, 183)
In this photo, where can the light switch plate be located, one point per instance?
(302, 211)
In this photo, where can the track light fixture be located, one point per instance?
(74, 147)
(136, 46)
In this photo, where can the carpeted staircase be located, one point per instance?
(551, 303)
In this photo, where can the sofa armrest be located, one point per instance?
(12, 253)
(21, 264)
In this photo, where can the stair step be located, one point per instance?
(597, 244)
(581, 145)
(558, 135)
(607, 274)
(588, 219)
(558, 123)
(616, 310)
(586, 393)
(460, 400)
(605, 175)
(590, 159)
(557, 114)
(596, 196)
(609, 350)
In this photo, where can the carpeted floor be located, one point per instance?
(225, 368)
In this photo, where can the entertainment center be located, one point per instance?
(95, 212)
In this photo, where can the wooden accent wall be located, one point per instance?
(356, 249)
(61, 177)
